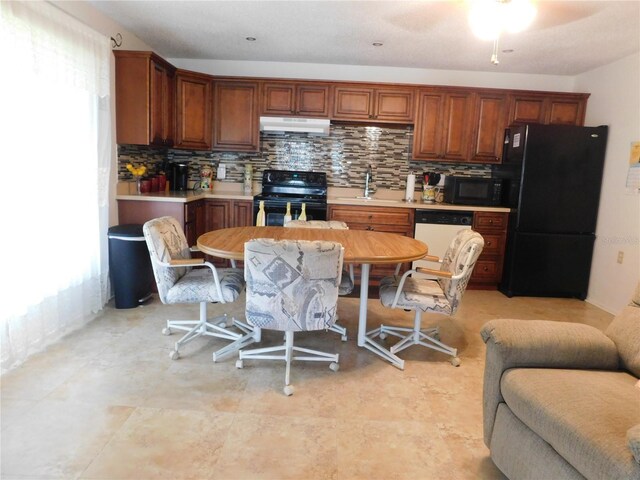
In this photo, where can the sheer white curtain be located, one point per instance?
(55, 145)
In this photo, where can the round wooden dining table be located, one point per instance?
(363, 247)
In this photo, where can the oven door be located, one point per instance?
(275, 209)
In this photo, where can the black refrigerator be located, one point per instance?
(554, 176)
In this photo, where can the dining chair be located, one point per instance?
(179, 280)
(348, 277)
(292, 286)
(418, 290)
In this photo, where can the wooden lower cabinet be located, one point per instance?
(226, 213)
(493, 228)
(376, 219)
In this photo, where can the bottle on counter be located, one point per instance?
(287, 216)
(261, 218)
(303, 213)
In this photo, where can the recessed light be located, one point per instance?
(377, 44)
(250, 39)
(508, 50)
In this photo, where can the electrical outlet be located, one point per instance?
(222, 171)
(620, 256)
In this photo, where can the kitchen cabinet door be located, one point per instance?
(145, 93)
(235, 121)
(193, 113)
(242, 213)
(567, 110)
(548, 108)
(489, 122)
(488, 270)
(428, 130)
(443, 125)
(312, 100)
(352, 103)
(456, 133)
(394, 105)
(526, 108)
(290, 99)
(371, 104)
(194, 224)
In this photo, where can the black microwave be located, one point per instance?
(473, 191)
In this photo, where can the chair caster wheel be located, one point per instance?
(334, 366)
(166, 331)
(288, 390)
(455, 361)
(383, 336)
(214, 358)
(436, 336)
(239, 364)
(174, 355)
(343, 338)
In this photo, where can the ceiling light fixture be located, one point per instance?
(377, 44)
(250, 39)
(489, 18)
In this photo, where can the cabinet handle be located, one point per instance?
(489, 243)
(491, 221)
(370, 228)
(370, 116)
(486, 269)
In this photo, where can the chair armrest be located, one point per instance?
(437, 273)
(431, 258)
(187, 262)
(540, 344)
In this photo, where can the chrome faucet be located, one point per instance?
(368, 179)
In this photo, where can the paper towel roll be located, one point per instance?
(411, 186)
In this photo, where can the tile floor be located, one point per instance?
(106, 402)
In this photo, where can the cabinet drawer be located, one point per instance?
(373, 215)
(486, 271)
(493, 244)
(483, 221)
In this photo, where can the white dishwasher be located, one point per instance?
(437, 228)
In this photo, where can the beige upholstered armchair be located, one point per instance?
(562, 399)
(430, 290)
(292, 286)
(179, 280)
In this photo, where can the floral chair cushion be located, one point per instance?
(444, 294)
(427, 295)
(292, 285)
(198, 285)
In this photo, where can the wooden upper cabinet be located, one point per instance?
(303, 99)
(388, 105)
(194, 95)
(547, 108)
(145, 95)
(442, 130)
(489, 122)
(567, 110)
(235, 116)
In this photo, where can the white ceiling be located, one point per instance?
(567, 37)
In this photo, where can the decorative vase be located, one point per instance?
(138, 185)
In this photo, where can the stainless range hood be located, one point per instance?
(318, 126)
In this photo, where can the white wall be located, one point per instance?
(615, 101)
(377, 74)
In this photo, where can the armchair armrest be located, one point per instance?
(187, 262)
(437, 273)
(538, 344)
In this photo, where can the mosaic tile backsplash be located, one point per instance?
(344, 155)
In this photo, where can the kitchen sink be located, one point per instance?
(369, 199)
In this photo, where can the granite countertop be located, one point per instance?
(336, 196)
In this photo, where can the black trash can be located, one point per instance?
(129, 266)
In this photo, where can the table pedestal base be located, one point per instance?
(363, 340)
